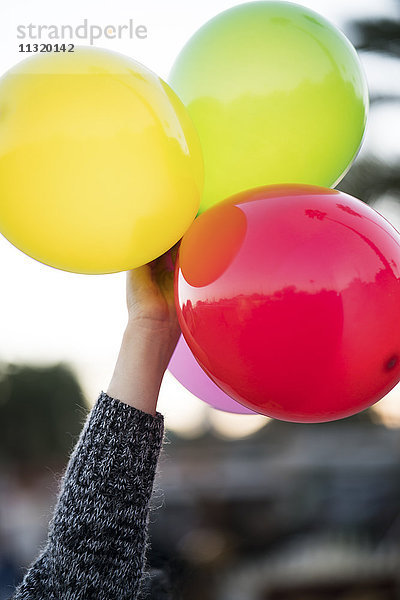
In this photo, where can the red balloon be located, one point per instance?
(289, 298)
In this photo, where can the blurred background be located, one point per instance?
(247, 508)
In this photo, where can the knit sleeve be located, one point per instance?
(97, 537)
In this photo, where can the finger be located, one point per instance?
(174, 252)
(139, 277)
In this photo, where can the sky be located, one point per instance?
(51, 316)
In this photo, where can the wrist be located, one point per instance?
(148, 344)
(156, 338)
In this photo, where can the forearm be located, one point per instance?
(142, 360)
(97, 540)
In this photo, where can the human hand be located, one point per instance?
(150, 336)
(150, 300)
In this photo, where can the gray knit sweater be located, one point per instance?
(98, 534)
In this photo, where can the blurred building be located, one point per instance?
(295, 511)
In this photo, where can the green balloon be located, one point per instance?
(277, 95)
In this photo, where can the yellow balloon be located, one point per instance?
(100, 165)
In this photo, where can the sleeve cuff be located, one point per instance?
(116, 432)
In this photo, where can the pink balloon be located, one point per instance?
(188, 372)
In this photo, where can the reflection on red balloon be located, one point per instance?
(299, 318)
(221, 249)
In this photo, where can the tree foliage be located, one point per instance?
(41, 414)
